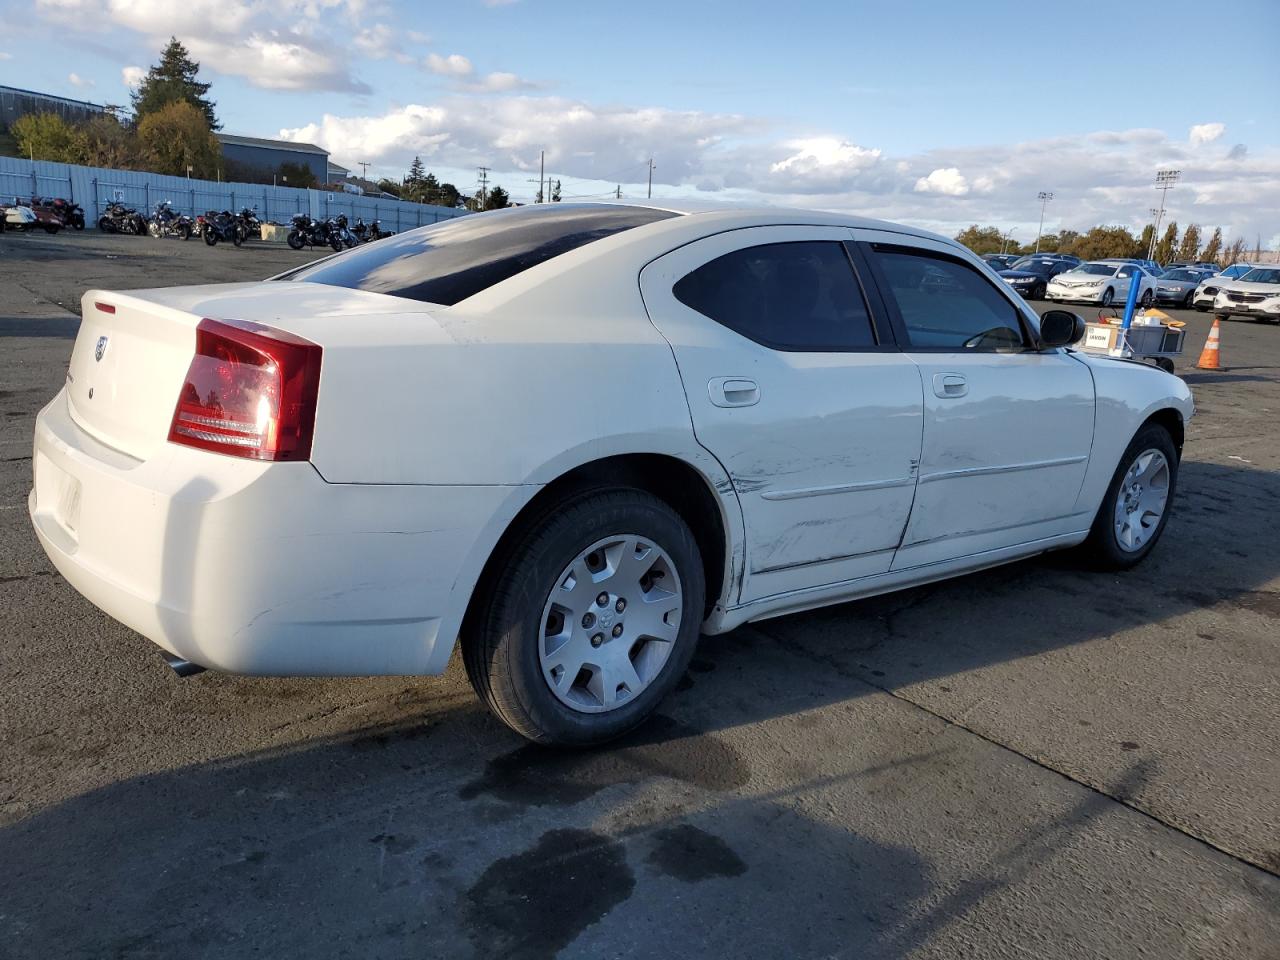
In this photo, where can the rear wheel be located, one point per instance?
(590, 620)
(184, 231)
(1136, 507)
(1107, 296)
(1146, 299)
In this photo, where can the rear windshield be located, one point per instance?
(448, 262)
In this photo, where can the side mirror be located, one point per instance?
(1060, 328)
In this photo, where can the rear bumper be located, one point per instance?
(262, 568)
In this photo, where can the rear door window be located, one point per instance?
(448, 262)
(796, 296)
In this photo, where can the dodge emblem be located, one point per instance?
(100, 349)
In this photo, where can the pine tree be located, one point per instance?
(172, 80)
(1190, 245)
(1168, 243)
(1213, 247)
(415, 174)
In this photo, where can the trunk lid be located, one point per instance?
(133, 349)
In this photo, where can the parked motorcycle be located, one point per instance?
(221, 225)
(252, 225)
(339, 226)
(312, 233)
(368, 232)
(166, 223)
(71, 214)
(117, 218)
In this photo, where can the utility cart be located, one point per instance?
(1152, 337)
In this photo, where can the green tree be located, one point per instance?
(1233, 254)
(109, 143)
(297, 175)
(1067, 240)
(1148, 234)
(448, 196)
(1168, 243)
(982, 239)
(46, 136)
(176, 136)
(497, 198)
(1214, 247)
(414, 181)
(173, 80)
(1190, 245)
(1104, 242)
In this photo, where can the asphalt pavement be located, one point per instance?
(1034, 761)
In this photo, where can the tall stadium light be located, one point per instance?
(1044, 197)
(1165, 179)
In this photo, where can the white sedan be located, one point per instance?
(1104, 282)
(572, 437)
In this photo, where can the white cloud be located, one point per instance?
(1206, 133)
(132, 76)
(378, 41)
(454, 65)
(945, 180)
(237, 37)
(5, 56)
(78, 81)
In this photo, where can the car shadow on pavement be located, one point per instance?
(749, 818)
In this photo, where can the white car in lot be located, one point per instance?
(1207, 291)
(1255, 294)
(574, 436)
(1104, 282)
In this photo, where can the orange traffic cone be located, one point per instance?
(1209, 359)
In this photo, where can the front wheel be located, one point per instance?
(1136, 507)
(335, 241)
(590, 619)
(1202, 307)
(1189, 300)
(294, 239)
(237, 236)
(184, 231)
(1224, 317)
(210, 236)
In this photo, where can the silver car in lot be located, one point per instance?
(1177, 286)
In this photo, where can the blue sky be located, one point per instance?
(936, 113)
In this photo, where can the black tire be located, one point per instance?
(336, 242)
(501, 645)
(184, 231)
(1107, 296)
(1202, 307)
(210, 236)
(1146, 299)
(1222, 316)
(1165, 364)
(237, 236)
(1102, 548)
(1189, 300)
(51, 228)
(295, 240)
(105, 225)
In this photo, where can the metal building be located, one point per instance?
(16, 102)
(261, 158)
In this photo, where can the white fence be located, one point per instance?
(94, 187)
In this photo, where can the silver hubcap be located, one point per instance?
(1140, 504)
(610, 623)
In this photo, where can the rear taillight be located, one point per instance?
(250, 392)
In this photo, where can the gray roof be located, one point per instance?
(239, 141)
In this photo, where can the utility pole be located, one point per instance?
(1044, 196)
(542, 172)
(1006, 240)
(617, 193)
(484, 186)
(1165, 179)
(650, 178)
(364, 169)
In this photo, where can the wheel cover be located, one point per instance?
(1141, 500)
(610, 623)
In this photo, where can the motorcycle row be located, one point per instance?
(41, 213)
(235, 228)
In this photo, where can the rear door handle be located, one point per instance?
(733, 391)
(950, 385)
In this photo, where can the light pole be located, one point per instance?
(1165, 179)
(1007, 236)
(1044, 196)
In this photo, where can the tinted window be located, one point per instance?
(450, 261)
(789, 296)
(945, 304)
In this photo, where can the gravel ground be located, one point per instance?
(1034, 761)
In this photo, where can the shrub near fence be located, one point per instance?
(94, 187)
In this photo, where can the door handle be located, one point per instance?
(733, 391)
(950, 385)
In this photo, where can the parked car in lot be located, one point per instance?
(1207, 292)
(573, 436)
(1103, 282)
(1030, 276)
(1001, 261)
(1256, 294)
(1178, 287)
